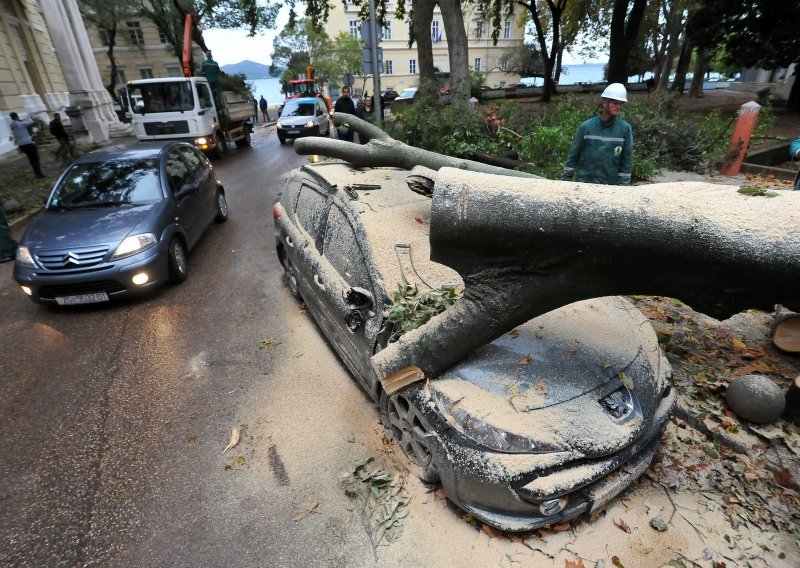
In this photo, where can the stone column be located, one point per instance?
(74, 52)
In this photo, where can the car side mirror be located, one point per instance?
(358, 299)
(186, 189)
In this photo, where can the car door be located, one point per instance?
(189, 207)
(200, 174)
(344, 266)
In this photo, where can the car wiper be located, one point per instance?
(105, 204)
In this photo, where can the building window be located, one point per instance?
(436, 34)
(477, 64)
(412, 66)
(174, 71)
(135, 32)
(386, 32)
(353, 26)
(503, 64)
(479, 30)
(162, 37)
(507, 30)
(146, 73)
(387, 67)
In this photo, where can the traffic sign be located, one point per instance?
(348, 80)
(367, 35)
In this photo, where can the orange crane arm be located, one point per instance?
(187, 46)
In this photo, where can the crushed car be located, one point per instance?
(538, 395)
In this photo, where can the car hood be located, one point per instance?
(548, 379)
(297, 120)
(84, 227)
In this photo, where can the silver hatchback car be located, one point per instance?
(305, 116)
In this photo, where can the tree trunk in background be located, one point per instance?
(623, 37)
(458, 54)
(421, 26)
(683, 66)
(700, 68)
(675, 25)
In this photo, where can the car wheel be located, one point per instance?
(245, 141)
(291, 279)
(411, 431)
(178, 263)
(282, 138)
(222, 207)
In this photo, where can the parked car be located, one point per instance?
(307, 116)
(120, 222)
(389, 95)
(406, 98)
(532, 429)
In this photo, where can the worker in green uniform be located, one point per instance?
(602, 150)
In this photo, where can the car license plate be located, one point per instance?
(293, 132)
(82, 299)
(615, 483)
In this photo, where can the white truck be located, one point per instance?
(184, 108)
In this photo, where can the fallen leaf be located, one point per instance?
(623, 525)
(234, 440)
(616, 562)
(307, 507)
(527, 360)
(738, 344)
(783, 477)
(491, 531)
(514, 333)
(574, 564)
(626, 381)
(562, 527)
(571, 352)
(541, 387)
(190, 438)
(269, 342)
(418, 220)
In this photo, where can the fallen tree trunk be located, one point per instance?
(382, 150)
(539, 245)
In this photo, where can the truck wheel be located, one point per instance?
(245, 140)
(220, 145)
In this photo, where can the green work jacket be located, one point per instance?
(601, 152)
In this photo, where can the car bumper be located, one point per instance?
(505, 490)
(290, 132)
(112, 278)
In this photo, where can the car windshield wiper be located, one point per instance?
(103, 204)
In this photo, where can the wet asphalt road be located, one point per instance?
(113, 418)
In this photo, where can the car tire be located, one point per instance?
(410, 431)
(244, 141)
(291, 280)
(178, 262)
(281, 138)
(222, 207)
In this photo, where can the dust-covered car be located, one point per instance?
(546, 422)
(306, 116)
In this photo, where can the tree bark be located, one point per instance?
(700, 68)
(675, 25)
(457, 48)
(683, 66)
(421, 19)
(526, 248)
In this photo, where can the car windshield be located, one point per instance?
(298, 108)
(408, 93)
(161, 97)
(104, 184)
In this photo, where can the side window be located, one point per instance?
(176, 171)
(204, 96)
(342, 251)
(309, 209)
(193, 160)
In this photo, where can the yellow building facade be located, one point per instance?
(400, 65)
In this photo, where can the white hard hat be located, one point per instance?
(617, 92)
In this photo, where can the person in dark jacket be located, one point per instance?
(602, 150)
(345, 105)
(66, 151)
(264, 105)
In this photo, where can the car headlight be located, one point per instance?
(279, 125)
(134, 244)
(25, 258)
(486, 435)
(310, 124)
(201, 141)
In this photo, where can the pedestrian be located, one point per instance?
(794, 153)
(24, 141)
(8, 246)
(345, 105)
(66, 151)
(602, 150)
(264, 105)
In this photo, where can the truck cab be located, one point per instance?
(186, 108)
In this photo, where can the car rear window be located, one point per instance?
(108, 183)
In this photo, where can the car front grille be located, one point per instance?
(52, 291)
(169, 127)
(70, 259)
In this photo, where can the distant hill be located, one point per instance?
(249, 69)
